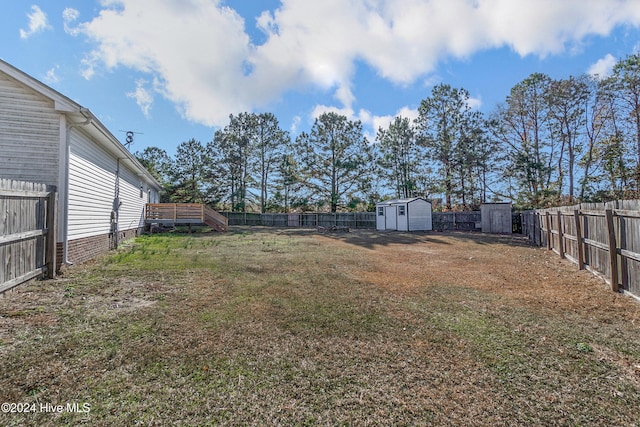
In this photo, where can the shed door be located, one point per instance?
(391, 218)
(500, 221)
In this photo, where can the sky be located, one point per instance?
(172, 70)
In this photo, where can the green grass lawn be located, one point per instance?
(286, 327)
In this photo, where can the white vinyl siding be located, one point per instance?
(92, 191)
(29, 134)
(404, 215)
(92, 181)
(419, 215)
(132, 208)
(48, 138)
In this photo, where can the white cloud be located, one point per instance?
(319, 110)
(200, 54)
(370, 122)
(295, 124)
(70, 16)
(603, 66)
(383, 122)
(51, 77)
(195, 50)
(37, 22)
(474, 103)
(345, 96)
(143, 97)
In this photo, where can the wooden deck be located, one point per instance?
(184, 213)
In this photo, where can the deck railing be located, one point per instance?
(184, 213)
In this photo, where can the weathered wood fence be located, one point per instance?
(467, 221)
(27, 232)
(321, 219)
(603, 238)
(457, 221)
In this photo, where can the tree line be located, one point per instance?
(550, 142)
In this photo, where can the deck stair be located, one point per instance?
(173, 214)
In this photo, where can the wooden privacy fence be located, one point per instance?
(27, 232)
(442, 221)
(457, 221)
(321, 219)
(603, 238)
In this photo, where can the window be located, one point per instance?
(380, 211)
(401, 210)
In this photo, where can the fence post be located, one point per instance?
(52, 235)
(560, 236)
(547, 219)
(613, 251)
(579, 242)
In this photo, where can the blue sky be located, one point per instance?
(176, 70)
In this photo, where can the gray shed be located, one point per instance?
(413, 214)
(496, 218)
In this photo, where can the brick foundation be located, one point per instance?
(82, 250)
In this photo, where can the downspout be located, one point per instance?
(65, 234)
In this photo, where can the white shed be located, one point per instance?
(413, 214)
(47, 138)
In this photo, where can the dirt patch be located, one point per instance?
(504, 265)
(291, 327)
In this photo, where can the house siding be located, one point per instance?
(92, 191)
(29, 134)
(131, 214)
(47, 138)
(91, 188)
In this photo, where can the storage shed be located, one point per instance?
(496, 218)
(47, 138)
(413, 214)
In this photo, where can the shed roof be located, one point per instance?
(401, 201)
(79, 114)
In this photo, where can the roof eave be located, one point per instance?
(78, 114)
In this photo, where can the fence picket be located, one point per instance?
(606, 235)
(579, 242)
(27, 232)
(613, 251)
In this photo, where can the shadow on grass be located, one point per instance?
(370, 239)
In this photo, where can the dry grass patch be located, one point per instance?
(287, 327)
